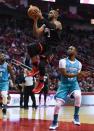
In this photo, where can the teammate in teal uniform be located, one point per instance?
(70, 69)
(5, 70)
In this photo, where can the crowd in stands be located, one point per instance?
(15, 35)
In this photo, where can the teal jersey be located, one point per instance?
(71, 68)
(68, 85)
(4, 72)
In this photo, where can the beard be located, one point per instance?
(50, 18)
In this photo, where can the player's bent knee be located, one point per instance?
(59, 103)
(77, 96)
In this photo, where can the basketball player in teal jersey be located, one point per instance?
(70, 69)
(5, 70)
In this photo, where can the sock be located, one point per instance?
(76, 110)
(4, 108)
(55, 118)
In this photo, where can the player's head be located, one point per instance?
(53, 14)
(2, 57)
(72, 51)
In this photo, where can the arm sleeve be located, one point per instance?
(62, 63)
(80, 67)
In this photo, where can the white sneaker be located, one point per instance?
(53, 126)
(76, 120)
(4, 117)
(76, 123)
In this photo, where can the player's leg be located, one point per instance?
(58, 105)
(4, 95)
(76, 92)
(60, 97)
(77, 97)
(34, 49)
(38, 65)
(40, 84)
(4, 87)
(43, 62)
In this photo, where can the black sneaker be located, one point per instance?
(26, 107)
(34, 106)
(21, 106)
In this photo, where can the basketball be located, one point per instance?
(33, 12)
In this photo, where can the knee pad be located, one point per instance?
(77, 97)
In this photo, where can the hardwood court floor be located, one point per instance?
(40, 119)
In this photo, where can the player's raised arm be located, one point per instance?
(37, 31)
(35, 13)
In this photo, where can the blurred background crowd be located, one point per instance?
(16, 34)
